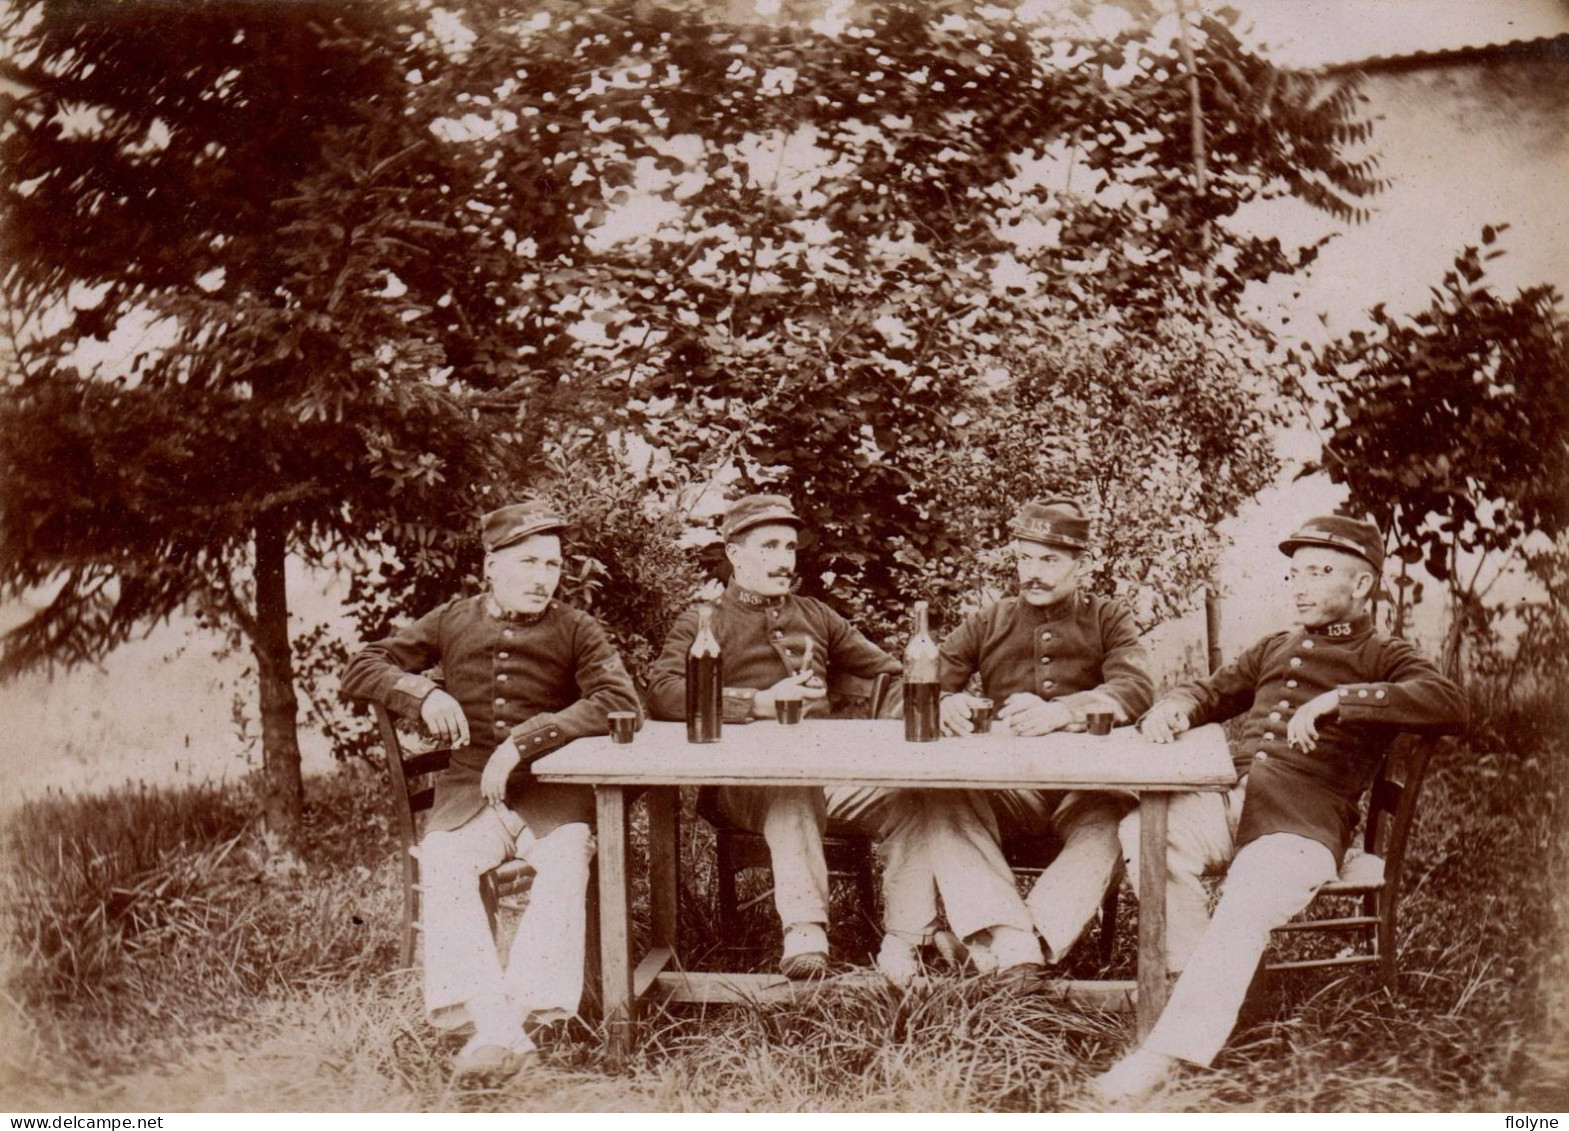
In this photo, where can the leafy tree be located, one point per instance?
(402, 263)
(1451, 428)
(838, 265)
(1162, 432)
(327, 300)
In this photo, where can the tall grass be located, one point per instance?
(152, 915)
(158, 957)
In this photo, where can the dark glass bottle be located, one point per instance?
(705, 681)
(921, 689)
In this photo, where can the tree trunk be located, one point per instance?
(282, 792)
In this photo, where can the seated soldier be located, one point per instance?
(524, 675)
(775, 643)
(1045, 658)
(1323, 703)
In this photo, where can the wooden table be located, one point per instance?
(858, 752)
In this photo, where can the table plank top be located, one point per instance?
(873, 752)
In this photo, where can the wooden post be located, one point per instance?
(615, 934)
(664, 864)
(1152, 909)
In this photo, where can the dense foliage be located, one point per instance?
(324, 280)
(1451, 428)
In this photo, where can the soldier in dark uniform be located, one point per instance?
(1323, 702)
(1045, 657)
(764, 631)
(523, 675)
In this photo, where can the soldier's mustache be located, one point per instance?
(784, 573)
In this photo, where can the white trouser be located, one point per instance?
(1068, 893)
(932, 841)
(791, 819)
(956, 852)
(1201, 832)
(544, 969)
(1270, 880)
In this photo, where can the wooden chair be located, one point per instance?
(1377, 875)
(414, 792)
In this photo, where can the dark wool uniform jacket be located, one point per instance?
(542, 681)
(1385, 687)
(761, 641)
(1076, 651)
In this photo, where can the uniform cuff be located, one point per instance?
(409, 694)
(1355, 696)
(537, 737)
(738, 703)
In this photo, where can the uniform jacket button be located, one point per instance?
(1308, 644)
(1296, 661)
(502, 655)
(1291, 683)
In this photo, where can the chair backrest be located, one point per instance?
(406, 773)
(1392, 802)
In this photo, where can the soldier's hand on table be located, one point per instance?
(955, 714)
(493, 781)
(1164, 722)
(804, 685)
(1302, 730)
(444, 716)
(1027, 714)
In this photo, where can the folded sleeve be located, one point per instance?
(850, 651)
(960, 654)
(1410, 693)
(603, 684)
(1125, 678)
(1227, 693)
(387, 672)
(667, 676)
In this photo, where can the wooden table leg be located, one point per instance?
(1152, 909)
(664, 864)
(615, 927)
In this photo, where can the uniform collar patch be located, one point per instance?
(493, 607)
(1343, 629)
(747, 597)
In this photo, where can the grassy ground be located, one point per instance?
(156, 960)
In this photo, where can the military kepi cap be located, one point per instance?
(755, 510)
(1056, 521)
(509, 525)
(1337, 532)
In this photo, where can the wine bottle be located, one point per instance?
(705, 681)
(921, 689)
